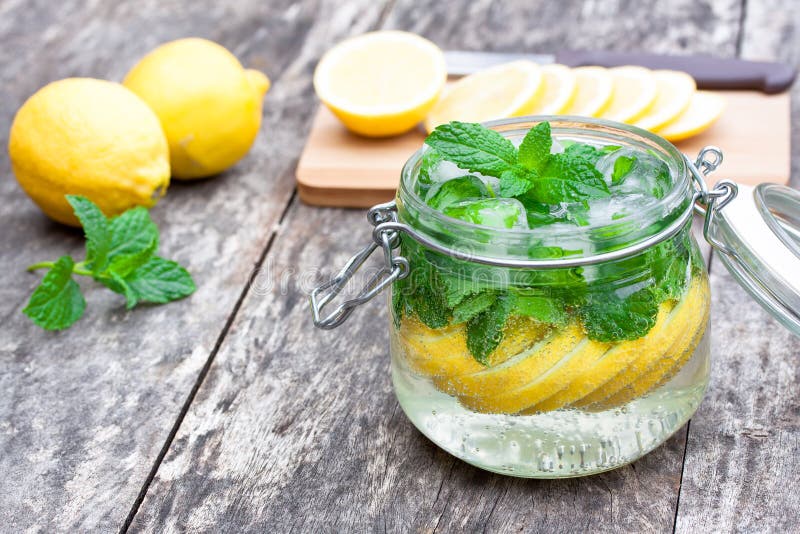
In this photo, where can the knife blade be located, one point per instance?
(708, 71)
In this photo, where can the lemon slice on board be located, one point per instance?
(593, 91)
(381, 83)
(704, 109)
(635, 90)
(559, 88)
(508, 90)
(675, 90)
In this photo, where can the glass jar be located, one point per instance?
(558, 351)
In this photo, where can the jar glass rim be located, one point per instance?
(642, 224)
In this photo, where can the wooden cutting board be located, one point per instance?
(338, 168)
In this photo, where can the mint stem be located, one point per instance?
(41, 265)
(77, 268)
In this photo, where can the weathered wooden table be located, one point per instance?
(228, 411)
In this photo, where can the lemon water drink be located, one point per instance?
(560, 371)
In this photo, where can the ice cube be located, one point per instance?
(647, 174)
(604, 211)
(494, 212)
(446, 170)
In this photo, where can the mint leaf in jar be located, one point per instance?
(534, 151)
(430, 159)
(609, 317)
(568, 179)
(543, 309)
(445, 194)
(516, 181)
(473, 147)
(588, 152)
(472, 306)
(622, 166)
(485, 330)
(494, 212)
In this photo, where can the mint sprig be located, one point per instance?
(531, 172)
(120, 254)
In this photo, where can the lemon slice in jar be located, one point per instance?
(443, 352)
(516, 371)
(664, 369)
(612, 362)
(704, 109)
(688, 318)
(381, 83)
(560, 84)
(544, 385)
(508, 90)
(635, 91)
(675, 90)
(593, 92)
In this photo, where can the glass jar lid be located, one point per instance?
(757, 233)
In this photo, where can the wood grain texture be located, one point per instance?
(84, 413)
(771, 32)
(744, 442)
(296, 429)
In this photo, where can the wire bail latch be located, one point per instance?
(709, 202)
(394, 268)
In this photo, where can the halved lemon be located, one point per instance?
(675, 90)
(381, 83)
(704, 109)
(593, 92)
(558, 91)
(508, 90)
(635, 91)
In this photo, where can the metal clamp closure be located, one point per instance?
(709, 202)
(394, 268)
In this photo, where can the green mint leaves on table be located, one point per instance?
(120, 254)
(552, 187)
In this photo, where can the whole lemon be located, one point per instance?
(88, 137)
(209, 106)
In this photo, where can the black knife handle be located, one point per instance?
(709, 72)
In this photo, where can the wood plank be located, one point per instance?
(297, 429)
(743, 447)
(85, 413)
(744, 441)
